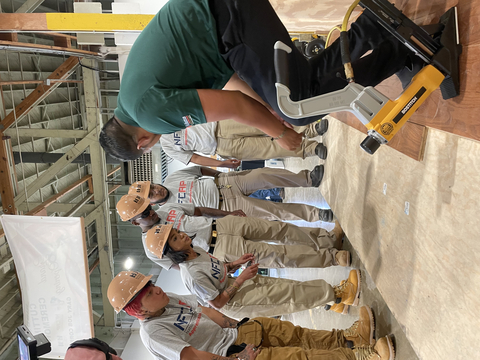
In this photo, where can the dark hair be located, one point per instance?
(177, 257)
(117, 142)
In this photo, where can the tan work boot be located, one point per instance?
(362, 330)
(338, 308)
(343, 258)
(349, 291)
(383, 350)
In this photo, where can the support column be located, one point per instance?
(6, 186)
(101, 213)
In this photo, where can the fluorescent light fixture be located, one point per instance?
(128, 263)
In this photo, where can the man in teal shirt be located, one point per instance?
(192, 49)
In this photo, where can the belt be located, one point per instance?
(220, 196)
(219, 186)
(214, 237)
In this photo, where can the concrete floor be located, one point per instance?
(318, 318)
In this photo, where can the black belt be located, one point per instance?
(220, 196)
(214, 237)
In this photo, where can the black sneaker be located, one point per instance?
(321, 151)
(317, 175)
(321, 127)
(325, 215)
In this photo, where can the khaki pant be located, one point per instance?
(236, 140)
(283, 340)
(266, 296)
(292, 247)
(236, 186)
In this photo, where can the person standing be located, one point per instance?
(174, 327)
(230, 191)
(232, 140)
(249, 294)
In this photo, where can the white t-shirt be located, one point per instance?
(180, 216)
(182, 325)
(190, 186)
(181, 145)
(205, 276)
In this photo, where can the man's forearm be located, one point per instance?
(190, 353)
(205, 161)
(206, 171)
(222, 104)
(226, 295)
(220, 319)
(210, 212)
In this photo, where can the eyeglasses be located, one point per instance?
(146, 213)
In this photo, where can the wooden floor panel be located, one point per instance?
(459, 115)
(424, 261)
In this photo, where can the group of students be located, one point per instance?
(198, 232)
(207, 226)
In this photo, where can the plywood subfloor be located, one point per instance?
(424, 260)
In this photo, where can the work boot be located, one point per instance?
(338, 308)
(362, 330)
(348, 292)
(321, 126)
(316, 175)
(383, 350)
(321, 151)
(339, 234)
(343, 258)
(325, 215)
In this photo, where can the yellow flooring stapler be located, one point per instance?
(437, 44)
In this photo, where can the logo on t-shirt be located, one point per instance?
(184, 324)
(187, 120)
(216, 269)
(182, 191)
(181, 319)
(172, 214)
(177, 138)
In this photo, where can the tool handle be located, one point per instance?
(281, 52)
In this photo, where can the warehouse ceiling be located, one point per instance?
(36, 136)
